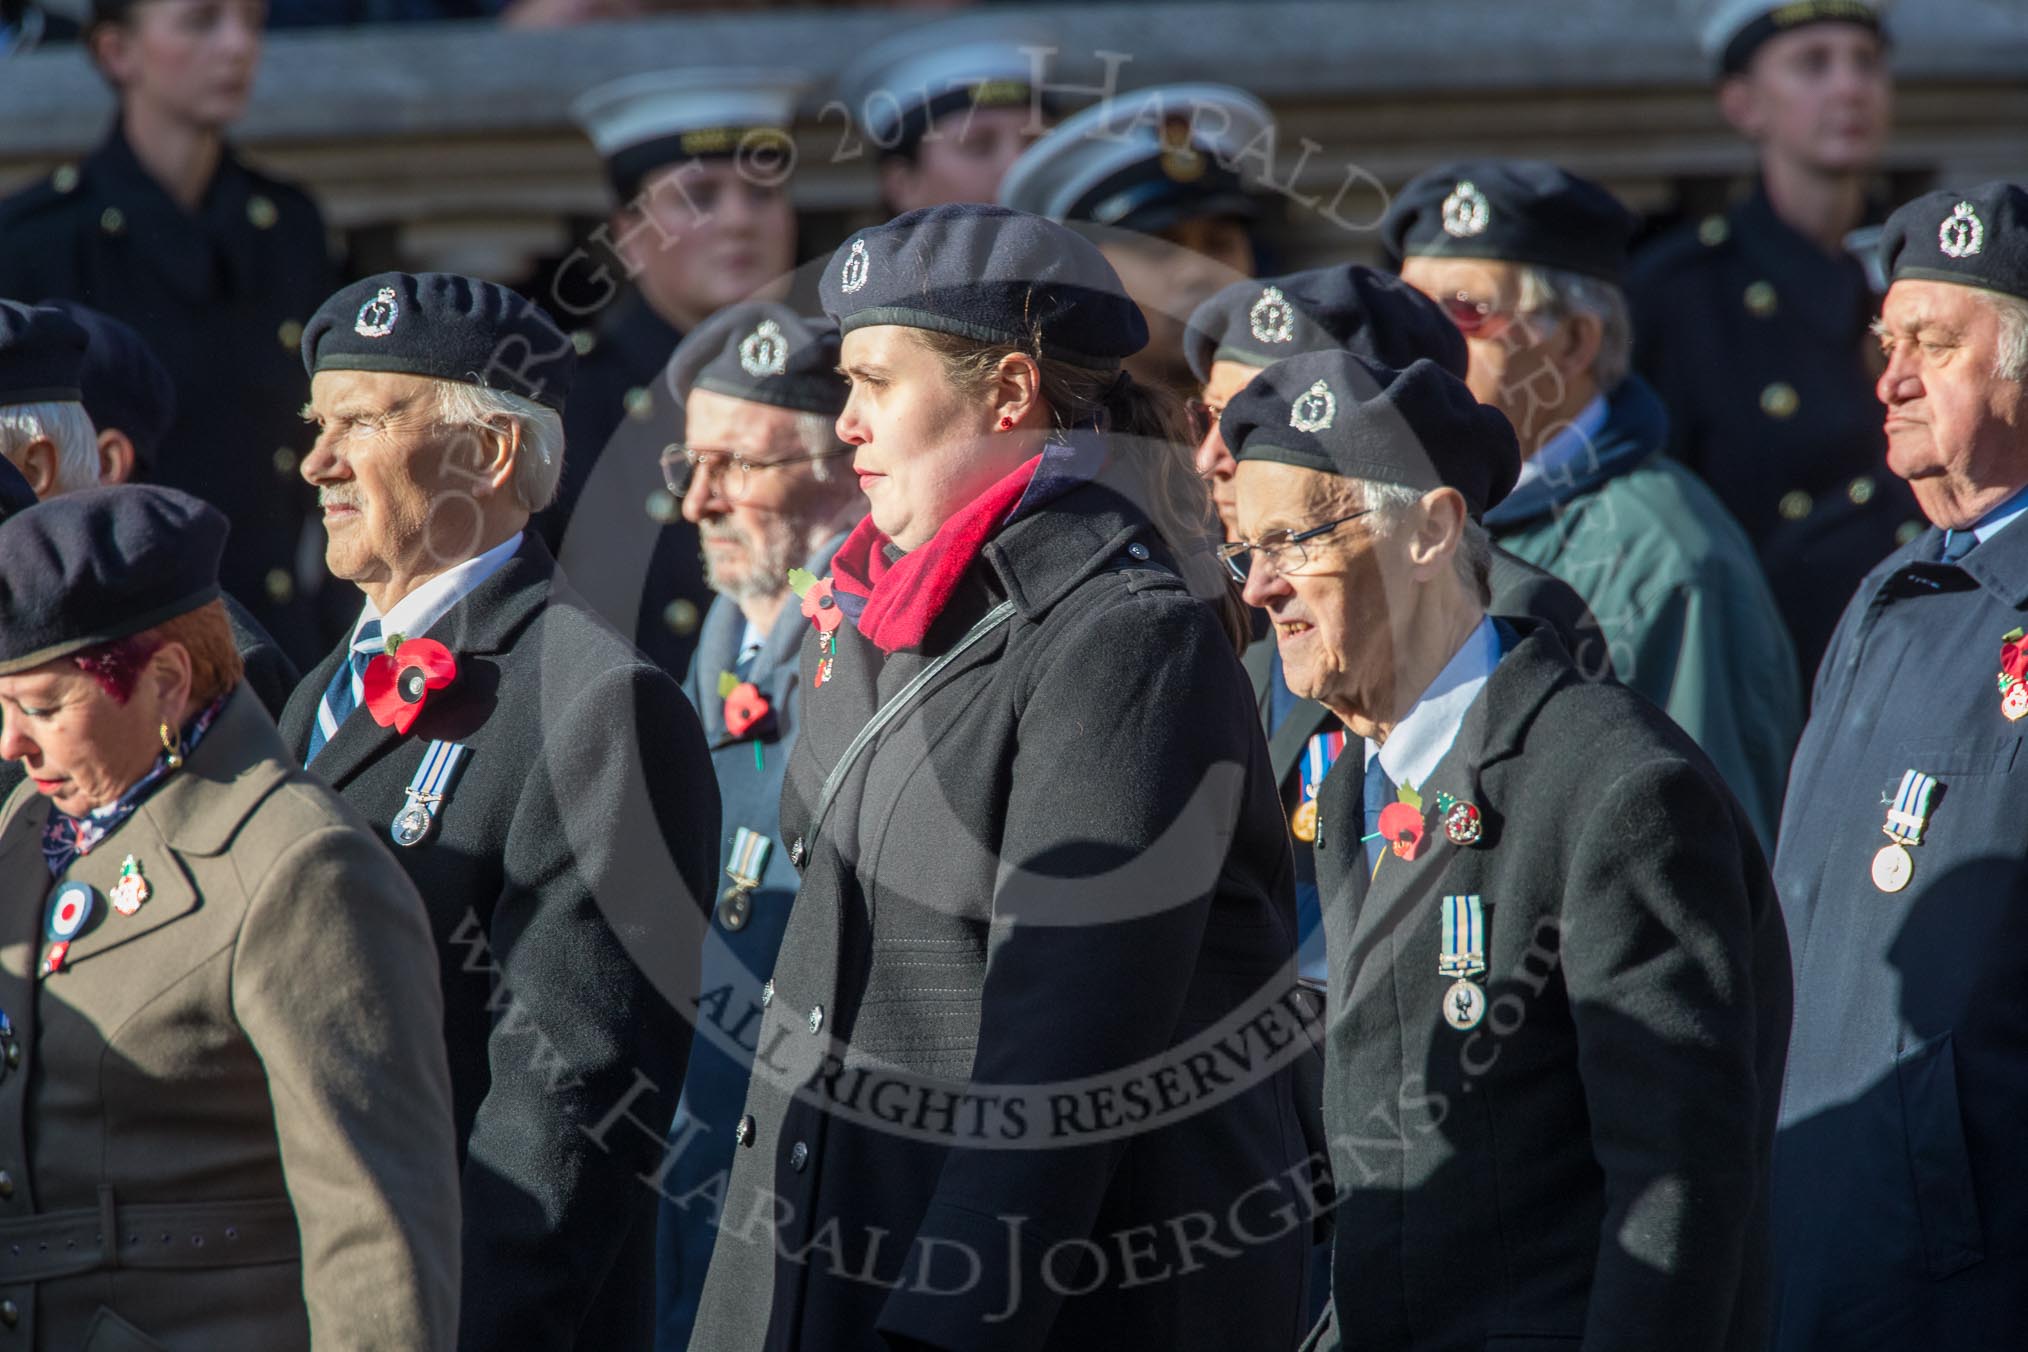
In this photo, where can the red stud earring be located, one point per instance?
(1006, 423)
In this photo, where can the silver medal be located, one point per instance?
(1464, 1005)
(412, 825)
(1892, 868)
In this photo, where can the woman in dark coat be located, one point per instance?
(1024, 1077)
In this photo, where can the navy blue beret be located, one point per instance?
(1354, 307)
(1341, 414)
(102, 564)
(764, 352)
(1517, 211)
(989, 274)
(443, 325)
(41, 350)
(15, 494)
(123, 384)
(1977, 238)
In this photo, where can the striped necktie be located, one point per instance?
(347, 687)
(1379, 793)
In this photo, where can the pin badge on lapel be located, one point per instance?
(69, 910)
(820, 607)
(132, 890)
(2014, 675)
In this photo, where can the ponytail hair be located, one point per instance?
(1146, 430)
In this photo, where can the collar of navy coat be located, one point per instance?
(196, 811)
(774, 671)
(1042, 558)
(485, 622)
(1636, 427)
(1828, 293)
(188, 250)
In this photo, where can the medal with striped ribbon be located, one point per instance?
(1464, 957)
(1907, 818)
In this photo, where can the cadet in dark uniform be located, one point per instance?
(1030, 897)
(699, 163)
(1559, 989)
(1232, 337)
(215, 264)
(546, 788)
(1752, 324)
(1901, 1201)
(946, 109)
(771, 487)
(1151, 177)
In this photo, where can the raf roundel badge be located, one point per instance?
(1962, 234)
(1315, 410)
(69, 911)
(1466, 212)
(852, 275)
(376, 317)
(763, 352)
(1271, 319)
(132, 890)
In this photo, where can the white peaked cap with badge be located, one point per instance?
(894, 82)
(1088, 167)
(637, 109)
(1721, 22)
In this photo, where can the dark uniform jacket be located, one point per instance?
(639, 560)
(739, 950)
(1586, 1168)
(1064, 864)
(221, 296)
(1901, 1193)
(1757, 341)
(225, 1081)
(560, 881)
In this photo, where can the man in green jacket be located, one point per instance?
(1527, 260)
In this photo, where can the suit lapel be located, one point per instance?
(21, 859)
(1285, 748)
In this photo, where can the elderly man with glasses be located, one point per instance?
(1527, 260)
(1559, 995)
(766, 482)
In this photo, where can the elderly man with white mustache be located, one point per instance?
(545, 786)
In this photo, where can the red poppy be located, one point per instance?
(821, 607)
(395, 685)
(2014, 658)
(1401, 826)
(745, 706)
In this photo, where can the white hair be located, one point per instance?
(1392, 503)
(538, 464)
(1556, 291)
(68, 427)
(2010, 357)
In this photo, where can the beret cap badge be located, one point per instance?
(376, 317)
(852, 275)
(1962, 233)
(764, 352)
(1314, 410)
(1271, 320)
(1466, 211)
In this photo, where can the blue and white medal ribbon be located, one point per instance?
(1464, 957)
(750, 850)
(1907, 819)
(427, 791)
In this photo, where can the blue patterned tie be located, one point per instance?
(1958, 543)
(1379, 793)
(342, 696)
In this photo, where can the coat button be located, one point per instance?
(261, 212)
(65, 178)
(112, 220)
(6, 1185)
(1761, 302)
(1780, 400)
(799, 1155)
(1713, 231)
(816, 1018)
(584, 340)
(639, 403)
(767, 992)
(1860, 490)
(289, 333)
(13, 1053)
(796, 852)
(1138, 551)
(10, 1313)
(743, 1133)
(1794, 506)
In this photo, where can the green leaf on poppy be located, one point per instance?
(1407, 794)
(2011, 636)
(727, 683)
(801, 580)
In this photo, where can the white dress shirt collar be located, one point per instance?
(1426, 732)
(412, 615)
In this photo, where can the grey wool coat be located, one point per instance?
(985, 1114)
(229, 1077)
(1586, 1169)
(564, 884)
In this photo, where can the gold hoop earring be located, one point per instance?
(172, 746)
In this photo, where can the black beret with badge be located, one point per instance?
(989, 274)
(123, 384)
(102, 564)
(42, 349)
(443, 325)
(762, 351)
(1733, 30)
(902, 87)
(642, 123)
(1514, 211)
(1339, 413)
(1146, 160)
(1977, 238)
(1351, 306)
